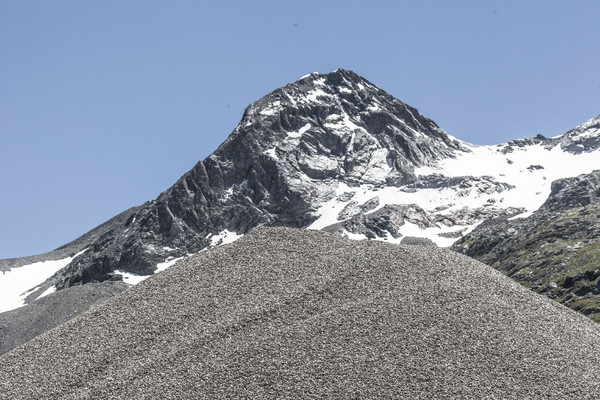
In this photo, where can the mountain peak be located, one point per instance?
(289, 154)
(329, 151)
(334, 77)
(341, 106)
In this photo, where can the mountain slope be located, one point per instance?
(330, 152)
(555, 251)
(297, 313)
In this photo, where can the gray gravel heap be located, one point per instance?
(22, 324)
(285, 313)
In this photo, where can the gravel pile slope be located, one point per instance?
(22, 324)
(285, 313)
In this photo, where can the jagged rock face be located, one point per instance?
(288, 155)
(555, 251)
(573, 192)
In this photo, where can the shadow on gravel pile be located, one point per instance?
(306, 314)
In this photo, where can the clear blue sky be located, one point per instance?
(104, 104)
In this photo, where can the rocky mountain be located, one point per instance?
(291, 152)
(289, 313)
(330, 152)
(555, 251)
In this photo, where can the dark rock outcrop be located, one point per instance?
(383, 222)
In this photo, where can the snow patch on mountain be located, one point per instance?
(134, 279)
(433, 201)
(17, 283)
(530, 169)
(300, 132)
(48, 291)
(224, 237)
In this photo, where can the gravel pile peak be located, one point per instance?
(285, 313)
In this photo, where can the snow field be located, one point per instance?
(134, 279)
(17, 283)
(530, 169)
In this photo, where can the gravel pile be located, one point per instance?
(285, 313)
(22, 324)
